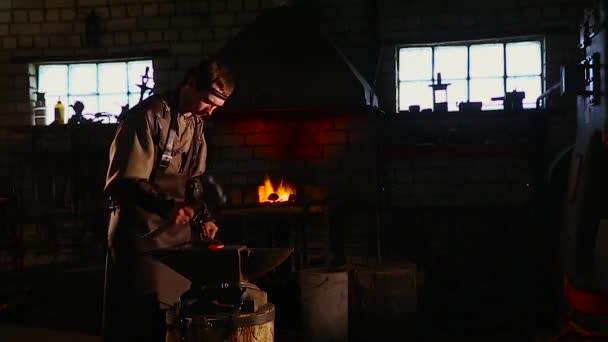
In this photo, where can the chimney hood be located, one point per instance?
(283, 60)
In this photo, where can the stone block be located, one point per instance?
(52, 15)
(187, 49)
(19, 16)
(228, 140)
(260, 139)
(331, 137)
(166, 9)
(251, 5)
(125, 24)
(183, 21)
(152, 23)
(25, 29)
(217, 6)
(121, 38)
(9, 42)
(25, 42)
(92, 3)
(23, 4)
(57, 28)
(67, 14)
(237, 153)
(134, 10)
(150, 10)
(235, 5)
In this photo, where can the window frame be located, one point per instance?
(97, 93)
(468, 44)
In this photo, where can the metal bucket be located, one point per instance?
(324, 296)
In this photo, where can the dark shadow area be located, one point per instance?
(58, 297)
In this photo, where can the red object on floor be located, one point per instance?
(587, 303)
(574, 330)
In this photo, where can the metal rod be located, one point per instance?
(547, 92)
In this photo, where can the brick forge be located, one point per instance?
(329, 155)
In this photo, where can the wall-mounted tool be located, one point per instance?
(513, 101)
(589, 27)
(440, 95)
(469, 106)
(143, 87)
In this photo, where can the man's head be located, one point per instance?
(205, 88)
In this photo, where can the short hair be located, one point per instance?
(213, 71)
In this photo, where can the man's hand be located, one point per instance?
(209, 230)
(183, 214)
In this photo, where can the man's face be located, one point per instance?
(199, 102)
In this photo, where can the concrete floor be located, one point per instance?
(23, 333)
(61, 311)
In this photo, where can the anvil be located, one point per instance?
(231, 264)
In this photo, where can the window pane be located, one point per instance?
(482, 90)
(136, 70)
(69, 111)
(415, 93)
(451, 62)
(83, 79)
(112, 78)
(457, 92)
(53, 79)
(112, 103)
(524, 59)
(487, 60)
(415, 64)
(134, 99)
(531, 85)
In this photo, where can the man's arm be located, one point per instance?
(142, 194)
(132, 159)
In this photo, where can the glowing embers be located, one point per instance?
(284, 193)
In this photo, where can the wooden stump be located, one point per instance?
(383, 300)
(246, 327)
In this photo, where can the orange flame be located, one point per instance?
(282, 191)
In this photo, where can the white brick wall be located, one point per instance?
(52, 24)
(48, 28)
(59, 3)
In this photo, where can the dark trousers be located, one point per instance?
(129, 317)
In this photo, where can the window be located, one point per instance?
(475, 71)
(101, 87)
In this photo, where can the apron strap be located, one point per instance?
(167, 152)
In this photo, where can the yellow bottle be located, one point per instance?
(59, 113)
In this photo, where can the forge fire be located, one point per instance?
(284, 192)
